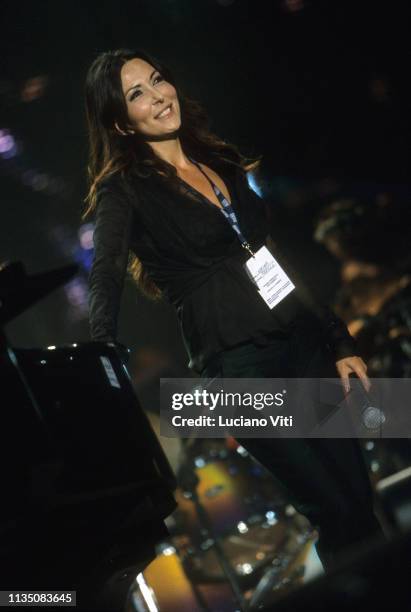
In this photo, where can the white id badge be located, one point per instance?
(272, 281)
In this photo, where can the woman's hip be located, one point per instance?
(303, 354)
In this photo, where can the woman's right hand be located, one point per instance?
(355, 365)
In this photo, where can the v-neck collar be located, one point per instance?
(201, 195)
(205, 198)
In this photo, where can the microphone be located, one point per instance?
(372, 416)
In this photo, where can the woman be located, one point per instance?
(164, 189)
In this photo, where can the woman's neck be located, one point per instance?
(171, 151)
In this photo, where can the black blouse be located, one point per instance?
(188, 248)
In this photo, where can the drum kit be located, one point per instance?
(235, 544)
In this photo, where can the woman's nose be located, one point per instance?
(157, 95)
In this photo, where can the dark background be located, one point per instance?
(320, 89)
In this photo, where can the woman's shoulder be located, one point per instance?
(123, 184)
(113, 182)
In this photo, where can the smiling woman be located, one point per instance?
(125, 91)
(150, 99)
(174, 197)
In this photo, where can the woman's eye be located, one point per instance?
(134, 94)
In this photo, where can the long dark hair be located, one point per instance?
(111, 152)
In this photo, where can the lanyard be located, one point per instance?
(227, 210)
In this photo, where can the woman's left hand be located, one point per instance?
(355, 365)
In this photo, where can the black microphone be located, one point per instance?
(372, 416)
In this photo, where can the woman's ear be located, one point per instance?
(122, 132)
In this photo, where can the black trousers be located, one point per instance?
(326, 480)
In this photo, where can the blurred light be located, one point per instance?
(253, 184)
(375, 466)
(199, 462)
(146, 593)
(76, 292)
(84, 257)
(207, 544)
(168, 551)
(126, 372)
(56, 186)
(369, 445)
(40, 182)
(27, 177)
(244, 568)
(33, 88)
(293, 6)
(242, 527)
(51, 348)
(8, 146)
(271, 517)
(85, 235)
(36, 180)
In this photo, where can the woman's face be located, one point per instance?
(147, 94)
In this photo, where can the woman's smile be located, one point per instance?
(165, 113)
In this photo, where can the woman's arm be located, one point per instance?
(112, 230)
(336, 334)
(338, 338)
(342, 345)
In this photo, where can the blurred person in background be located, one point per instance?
(173, 207)
(371, 241)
